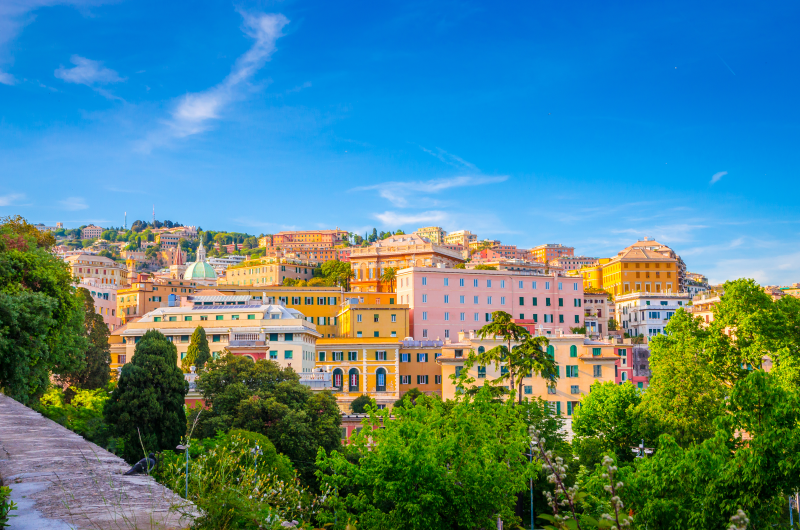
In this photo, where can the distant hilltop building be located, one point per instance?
(573, 263)
(435, 234)
(305, 239)
(91, 232)
(551, 251)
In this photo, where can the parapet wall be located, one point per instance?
(61, 481)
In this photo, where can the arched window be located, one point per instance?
(624, 376)
(353, 379)
(551, 352)
(573, 351)
(380, 380)
(481, 349)
(338, 375)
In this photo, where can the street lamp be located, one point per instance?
(642, 451)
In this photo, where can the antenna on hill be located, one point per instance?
(154, 216)
(125, 223)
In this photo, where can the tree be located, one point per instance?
(149, 399)
(612, 324)
(459, 266)
(435, 465)
(502, 328)
(41, 322)
(262, 397)
(483, 267)
(412, 396)
(529, 359)
(359, 404)
(390, 276)
(608, 417)
(95, 372)
(198, 353)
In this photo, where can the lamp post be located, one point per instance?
(642, 451)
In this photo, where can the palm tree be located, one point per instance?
(344, 278)
(503, 327)
(389, 275)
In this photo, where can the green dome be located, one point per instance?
(199, 270)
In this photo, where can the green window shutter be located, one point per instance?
(573, 351)
(558, 408)
(569, 408)
(560, 302)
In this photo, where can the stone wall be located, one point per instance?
(61, 481)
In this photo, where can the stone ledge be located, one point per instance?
(61, 481)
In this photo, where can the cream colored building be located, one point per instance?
(256, 331)
(91, 232)
(435, 234)
(106, 270)
(460, 237)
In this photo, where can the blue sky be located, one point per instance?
(589, 124)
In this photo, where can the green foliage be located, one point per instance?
(612, 324)
(6, 506)
(239, 481)
(459, 266)
(359, 405)
(264, 398)
(95, 372)
(409, 397)
(482, 267)
(198, 353)
(41, 323)
(607, 420)
(389, 276)
(148, 400)
(83, 414)
(433, 466)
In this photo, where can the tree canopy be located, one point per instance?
(95, 371)
(198, 353)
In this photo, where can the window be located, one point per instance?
(447, 282)
(475, 283)
(322, 356)
(380, 355)
(474, 299)
(481, 372)
(535, 318)
(551, 390)
(577, 319)
(352, 377)
(488, 317)
(447, 315)
(351, 355)
(438, 379)
(424, 333)
(663, 302)
(477, 317)
(447, 299)
(273, 336)
(560, 319)
(575, 286)
(380, 380)
(203, 317)
(560, 302)
(424, 315)
(422, 357)
(488, 283)
(287, 354)
(424, 298)
(547, 285)
(574, 389)
(560, 286)
(598, 370)
(219, 317)
(461, 299)
(654, 314)
(502, 284)
(424, 280)
(573, 351)
(359, 334)
(502, 300)
(251, 317)
(234, 317)
(461, 282)
(405, 379)
(375, 334)
(375, 318)
(187, 319)
(405, 357)
(548, 319)
(463, 316)
(551, 352)
(288, 337)
(156, 319)
(172, 319)
(571, 370)
(358, 318)
(547, 301)
(489, 300)
(422, 379)
(273, 355)
(458, 354)
(528, 389)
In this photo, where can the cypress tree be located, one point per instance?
(199, 353)
(149, 397)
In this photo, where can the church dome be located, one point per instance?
(199, 270)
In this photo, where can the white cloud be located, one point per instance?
(87, 72)
(400, 193)
(193, 111)
(74, 203)
(400, 219)
(666, 234)
(7, 79)
(450, 159)
(11, 199)
(716, 176)
(766, 270)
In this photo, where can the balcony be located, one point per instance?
(316, 380)
(247, 343)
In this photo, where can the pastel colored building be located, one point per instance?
(305, 239)
(105, 301)
(105, 270)
(252, 330)
(551, 251)
(397, 252)
(91, 232)
(361, 366)
(167, 240)
(444, 301)
(358, 320)
(418, 366)
(572, 263)
(146, 294)
(434, 234)
(647, 314)
(268, 271)
(581, 362)
(462, 238)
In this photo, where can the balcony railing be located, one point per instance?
(247, 343)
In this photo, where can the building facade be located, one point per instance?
(359, 320)
(91, 232)
(572, 263)
(647, 314)
(146, 294)
(444, 301)
(368, 366)
(434, 234)
(398, 252)
(551, 251)
(105, 270)
(419, 367)
(581, 362)
(462, 238)
(305, 239)
(268, 272)
(254, 330)
(105, 301)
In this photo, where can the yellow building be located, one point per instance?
(358, 320)
(581, 362)
(435, 234)
(268, 271)
(551, 251)
(167, 240)
(460, 237)
(253, 330)
(419, 367)
(144, 295)
(105, 270)
(361, 366)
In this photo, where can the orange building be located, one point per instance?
(547, 253)
(418, 366)
(398, 252)
(306, 239)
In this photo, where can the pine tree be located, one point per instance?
(149, 399)
(199, 353)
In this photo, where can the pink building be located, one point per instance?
(445, 301)
(105, 301)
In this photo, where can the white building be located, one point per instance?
(221, 264)
(573, 263)
(648, 313)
